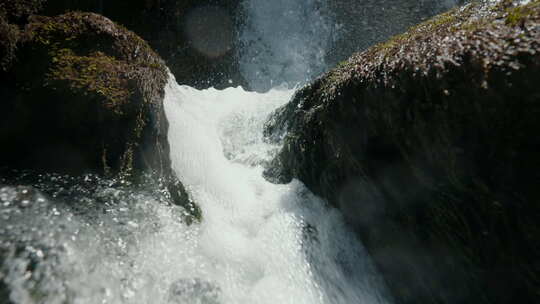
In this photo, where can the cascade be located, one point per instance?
(93, 241)
(258, 242)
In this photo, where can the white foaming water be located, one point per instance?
(263, 243)
(284, 41)
(96, 242)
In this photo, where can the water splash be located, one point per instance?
(294, 41)
(92, 240)
(267, 243)
(284, 41)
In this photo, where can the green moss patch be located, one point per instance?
(90, 91)
(97, 74)
(516, 16)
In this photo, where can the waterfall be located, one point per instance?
(267, 243)
(284, 41)
(95, 240)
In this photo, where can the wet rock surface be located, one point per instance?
(13, 16)
(428, 144)
(195, 38)
(85, 95)
(85, 89)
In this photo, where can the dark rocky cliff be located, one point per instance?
(429, 145)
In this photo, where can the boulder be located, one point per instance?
(85, 95)
(428, 143)
(196, 38)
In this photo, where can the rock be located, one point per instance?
(12, 14)
(179, 31)
(85, 95)
(428, 144)
(24, 252)
(9, 35)
(18, 10)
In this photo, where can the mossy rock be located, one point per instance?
(85, 95)
(163, 24)
(428, 144)
(82, 71)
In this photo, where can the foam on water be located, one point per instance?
(93, 244)
(265, 243)
(91, 240)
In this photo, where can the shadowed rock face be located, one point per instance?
(13, 13)
(428, 144)
(84, 95)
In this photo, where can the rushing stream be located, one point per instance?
(91, 240)
(96, 241)
(263, 243)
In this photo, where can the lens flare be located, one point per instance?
(209, 30)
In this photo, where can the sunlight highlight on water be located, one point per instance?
(267, 243)
(93, 240)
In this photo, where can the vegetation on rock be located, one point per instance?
(428, 144)
(86, 96)
(13, 13)
(9, 35)
(17, 10)
(163, 24)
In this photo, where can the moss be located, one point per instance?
(13, 14)
(461, 23)
(16, 9)
(96, 74)
(92, 91)
(469, 18)
(517, 15)
(91, 56)
(421, 31)
(73, 30)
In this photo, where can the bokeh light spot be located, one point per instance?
(209, 30)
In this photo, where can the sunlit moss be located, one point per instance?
(95, 74)
(517, 15)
